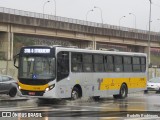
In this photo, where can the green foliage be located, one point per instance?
(25, 41)
(20, 41)
(155, 59)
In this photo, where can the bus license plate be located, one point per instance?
(31, 93)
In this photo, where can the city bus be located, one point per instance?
(67, 72)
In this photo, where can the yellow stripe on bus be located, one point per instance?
(115, 83)
(33, 87)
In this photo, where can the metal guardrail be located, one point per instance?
(70, 20)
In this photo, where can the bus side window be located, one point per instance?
(76, 62)
(143, 64)
(118, 62)
(87, 63)
(109, 63)
(62, 65)
(98, 63)
(127, 61)
(136, 64)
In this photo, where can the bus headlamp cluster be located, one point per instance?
(47, 89)
(50, 88)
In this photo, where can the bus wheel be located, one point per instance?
(122, 93)
(75, 94)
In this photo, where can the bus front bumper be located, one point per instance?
(37, 94)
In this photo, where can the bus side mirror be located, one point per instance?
(15, 61)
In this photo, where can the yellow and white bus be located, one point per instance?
(63, 72)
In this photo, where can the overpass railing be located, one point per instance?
(69, 20)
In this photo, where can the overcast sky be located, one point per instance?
(112, 10)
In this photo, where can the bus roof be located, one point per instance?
(75, 49)
(99, 51)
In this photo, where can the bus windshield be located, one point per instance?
(37, 67)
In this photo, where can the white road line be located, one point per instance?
(104, 107)
(87, 106)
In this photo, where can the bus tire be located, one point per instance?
(75, 94)
(122, 93)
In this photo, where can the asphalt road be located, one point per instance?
(136, 106)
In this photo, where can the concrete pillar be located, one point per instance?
(11, 45)
(146, 50)
(6, 45)
(94, 43)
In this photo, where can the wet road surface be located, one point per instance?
(86, 108)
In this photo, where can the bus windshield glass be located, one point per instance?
(37, 67)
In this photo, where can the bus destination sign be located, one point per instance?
(36, 50)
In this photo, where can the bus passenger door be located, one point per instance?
(62, 65)
(62, 73)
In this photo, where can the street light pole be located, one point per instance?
(86, 20)
(44, 6)
(149, 39)
(55, 6)
(88, 13)
(158, 20)
(120, 21)
(134, 18)
(101, 13)
(95, 43)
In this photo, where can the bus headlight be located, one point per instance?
(50, 88)
(47, 89)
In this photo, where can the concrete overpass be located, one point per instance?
(17, 22)
(78, 32)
